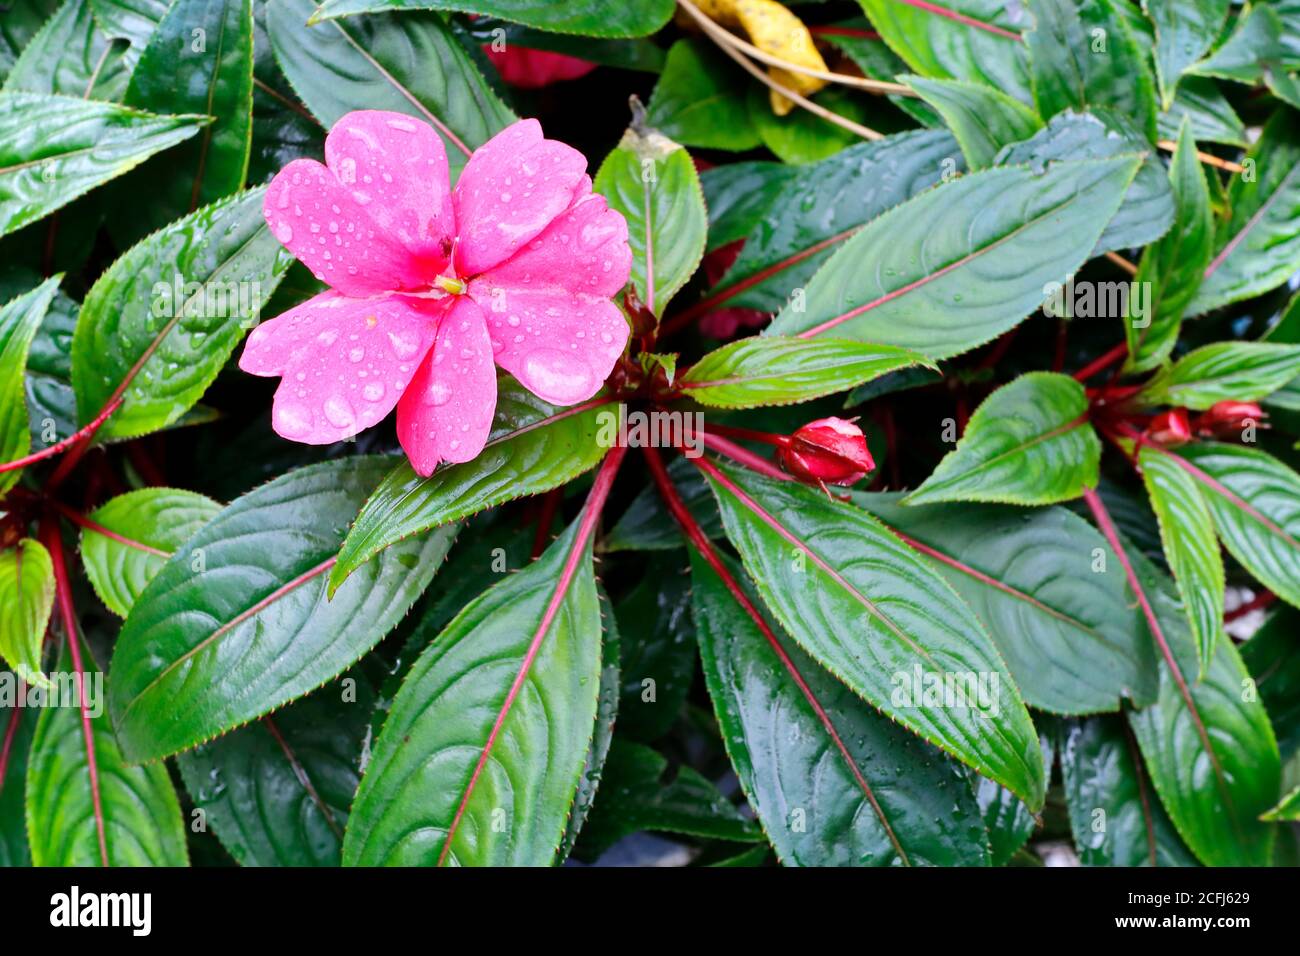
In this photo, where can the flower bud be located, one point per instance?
(1170, 428)
(1224, 419)
(830, 450)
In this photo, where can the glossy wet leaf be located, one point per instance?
(700, 100)
(406, 62)
(833, 782)
(1258, 246)
(1173, 266)
(816, 208)
(199, 60)
(533, 447)
(1059, 615)
(974, 40)
(1083, 56)
(768, 370)
(141, 815)
(1190, 546)
(962, 263)
(427, 781)
(657, 638)
(652, 182)
(237, 623)
(646, 526)
(1115, 816)
(162, 320)
(983, 119)
(602, 18)
(18, 724)
(58, 148)
(26, 599)
(155, 522)
(20, 319)
(1223, 372)
(1029, 443)
(1185, 29)
(1209, 748)
(73, 56)
(277, 792)
(1147, 210)
(1255, 500)
(860, 602)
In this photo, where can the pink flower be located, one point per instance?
(533, 69)
(430, 286)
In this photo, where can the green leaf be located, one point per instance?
(1172, 267)
(646, 526)
(975, 40)
(1006, 818)
(18, 725)
(962, 263)
(1190, 547)
(22, 22)
(1255, 500)
(877, 61)
(51, 406)
(141, 816)
(801, 137)
(700, 100)
(277, 792)
(658, 645)
(468, 770)
(130, 20)
(71, 55)
(768, 370)
(1262, 47)
(1201, 103)
(215, 80)
(601, 18)
(1273, 655)
(1257, 247)
(818, 207)
(652, 182)
(1114, 815)
(738, 194)
(283, 129)
(1029, 443)
(983, 119)
(20, 318)
(1209, 748)
(833, 782)
(56, 148)
(1287, 809)
(154, 522)
(1083, 56)
(1185, 29)
(602, 735)
(1148, 207)
(236, 623)
(637, 793)
(409, 63)
(1224, 371)
(533, 447)
(26, 599)
(856, 598)
(1060, 617)
(160, 322)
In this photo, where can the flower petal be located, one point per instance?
(447, 412)
(510, 190)
(396, 168)
(345, 362)
(319, 221)
(584, 249)
(560, 345)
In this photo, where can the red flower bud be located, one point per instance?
(1224, 419)
(830, 450)
(1170, 428)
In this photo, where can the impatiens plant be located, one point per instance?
(731, 433)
